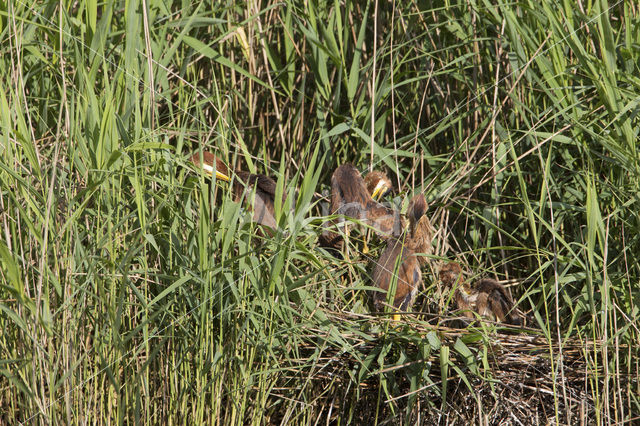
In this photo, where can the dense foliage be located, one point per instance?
(134, 290)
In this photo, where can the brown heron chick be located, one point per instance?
(486, 297)
(350, 197)
(378, 184)
(403, 252)
(244, 184)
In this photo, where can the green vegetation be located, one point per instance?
(131, 289)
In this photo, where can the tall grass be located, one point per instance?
(136, 291)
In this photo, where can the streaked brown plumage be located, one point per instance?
(486, 297)
(404, 250)
(408, 273)
(244, 184)
(420, 228)
(351, 198)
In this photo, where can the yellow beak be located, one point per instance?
(208, 169)
(378, 190)
(222, 176)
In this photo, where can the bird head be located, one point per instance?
(450, 273)
(378, 184)
(211, 164)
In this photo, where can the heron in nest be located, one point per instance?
(486, 297)
(401, 260)
(244, 185)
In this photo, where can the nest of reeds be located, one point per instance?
(512, 378)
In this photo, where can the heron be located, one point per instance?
(400, 260)
(486, 297)
(244, 184)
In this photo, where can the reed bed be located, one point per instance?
(134, 290)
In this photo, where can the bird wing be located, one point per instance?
(347, 186)
(263, 200)
(488, 285)
(408, 272)
(499, 299)
(387, 222)
(263, 210)
(411, 269)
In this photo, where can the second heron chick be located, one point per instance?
(400, 261)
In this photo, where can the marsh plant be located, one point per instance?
(135, 290)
